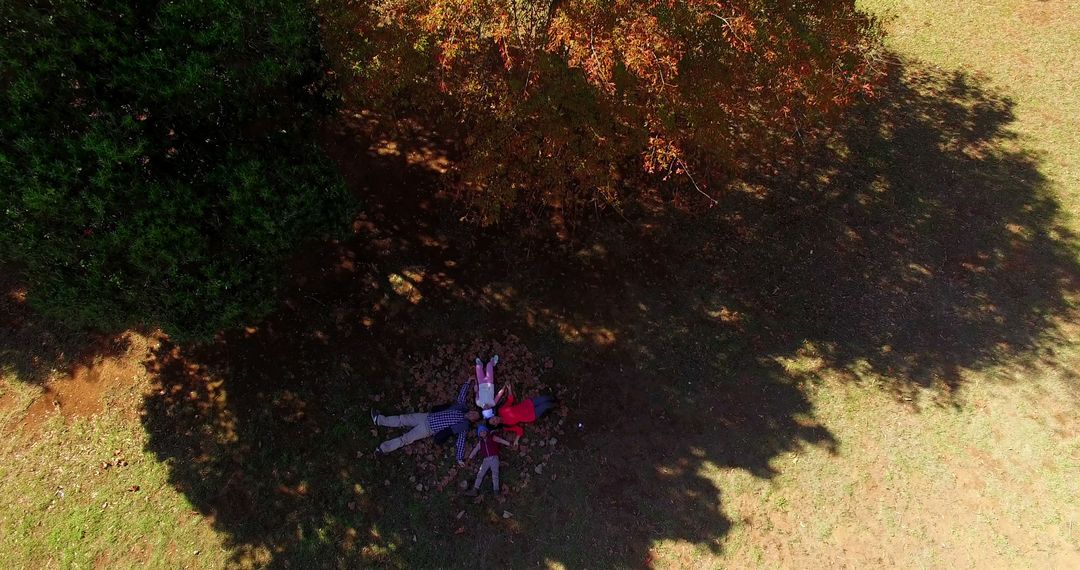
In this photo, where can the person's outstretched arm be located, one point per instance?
(463, 393)
(502, 392)
(460, 446)
(475, 450)
(501, 440)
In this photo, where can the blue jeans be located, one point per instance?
(491, 463)
(542, 404)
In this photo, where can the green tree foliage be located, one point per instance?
(157, 161)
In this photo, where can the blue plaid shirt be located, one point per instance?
(453, 418)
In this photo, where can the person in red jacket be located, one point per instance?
(511, 413)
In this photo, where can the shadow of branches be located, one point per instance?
(917, 242)
(34, 348)
(920, 242)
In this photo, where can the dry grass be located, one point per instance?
(1026, 49)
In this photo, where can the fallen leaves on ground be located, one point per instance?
(436, 379)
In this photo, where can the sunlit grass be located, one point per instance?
(84, 494)
(932, 486)
(1029, 50)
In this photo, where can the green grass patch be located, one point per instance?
(84, 494)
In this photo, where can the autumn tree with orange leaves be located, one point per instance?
(565, 105)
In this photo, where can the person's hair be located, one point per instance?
(491, 426)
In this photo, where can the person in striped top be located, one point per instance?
(442, 422)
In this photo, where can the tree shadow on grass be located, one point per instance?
(919, 243)
(35, 348)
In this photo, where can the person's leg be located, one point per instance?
(479, 372)
(484, 467)
(415, 434)
(485, 395)
(403, 420)
(542, 404)
(489, 374)
(494, 472)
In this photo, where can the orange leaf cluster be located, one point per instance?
(562, 102)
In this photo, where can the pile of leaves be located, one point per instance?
(436, 380)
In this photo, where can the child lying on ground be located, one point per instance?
(489, 445)
(511, 413)
(486, 397)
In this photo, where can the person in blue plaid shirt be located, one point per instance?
(442, 422)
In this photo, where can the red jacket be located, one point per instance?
(520, 413)
(488, 446)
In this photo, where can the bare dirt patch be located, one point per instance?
(7, 400)
(82, 392)
(1044, 13)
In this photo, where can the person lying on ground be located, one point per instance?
(488, 446)
(442, 422)
(510, 414)
(486, 397)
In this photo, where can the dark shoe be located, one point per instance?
(479, 362)
(375, 417)
(472, 492)
(379, 452)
